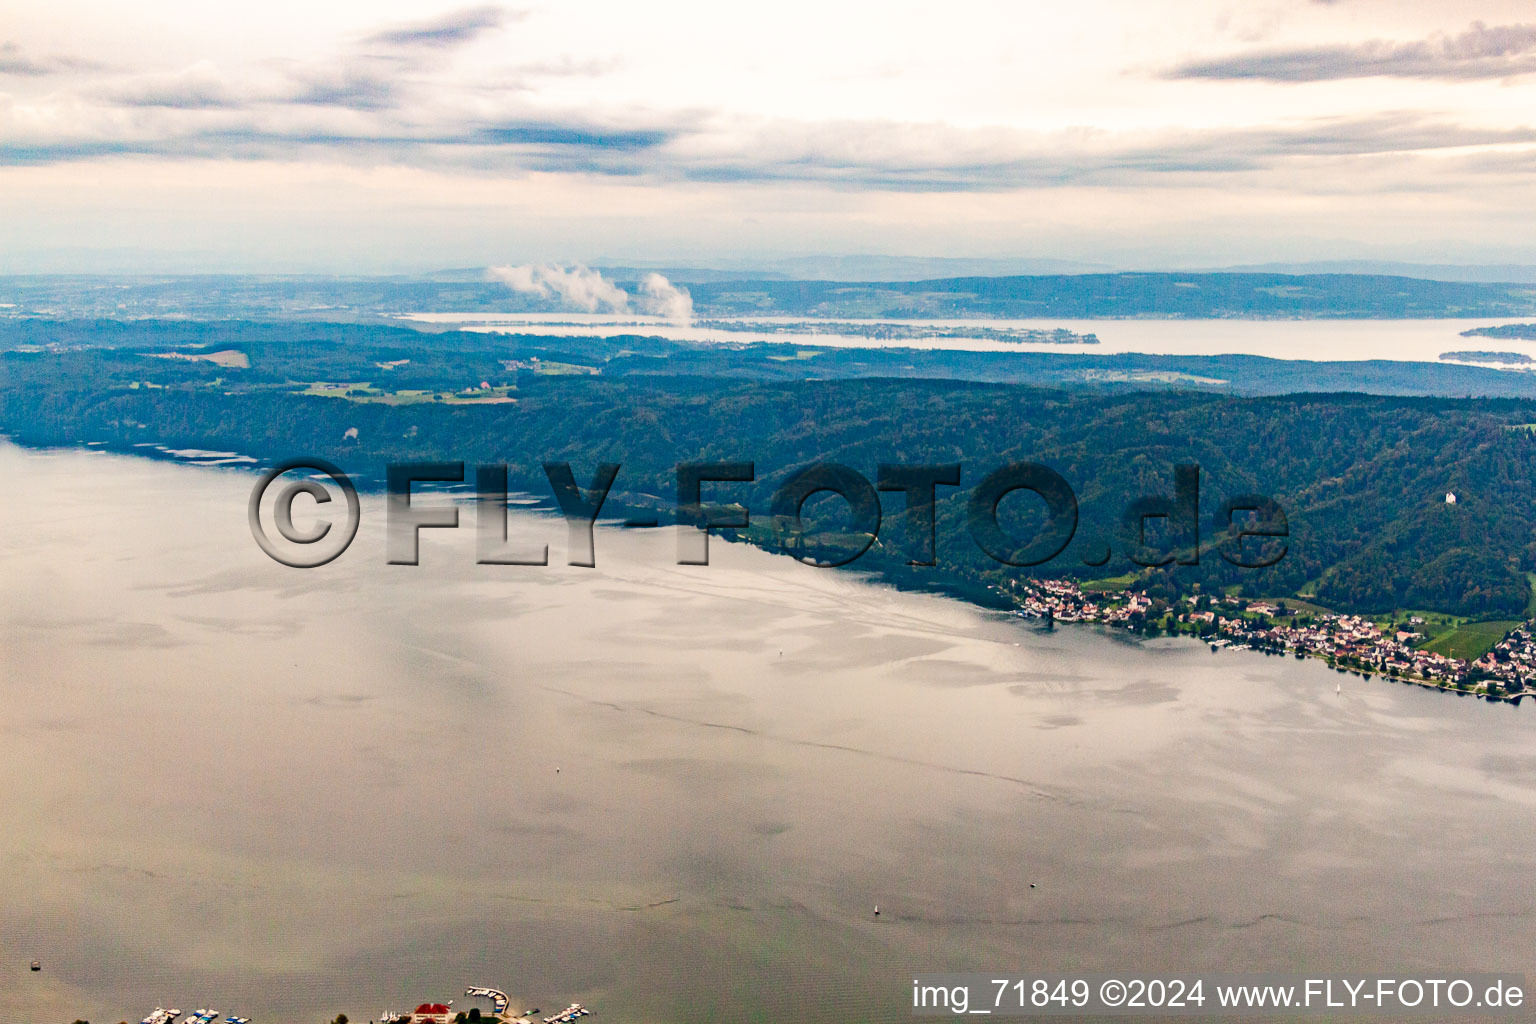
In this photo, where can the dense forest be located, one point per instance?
(1361, 479)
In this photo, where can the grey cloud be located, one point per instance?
(364, 84)
(368, 83)
(531, 144)
(1054, 162)
(353, 88)
(22, 154)
(1391, 133)
(194, 89)
(546, 134)
(14, 62)
(449, 29)
(1481, 52)
(883, 156)
(189, 97)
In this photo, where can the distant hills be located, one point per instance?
(867, 269)
(1034, 296)
(1491, 273)
(1104, 296)
(864, 269)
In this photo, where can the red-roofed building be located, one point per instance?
(432, 1013)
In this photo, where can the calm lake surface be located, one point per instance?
(1400, 340)
(288, 794)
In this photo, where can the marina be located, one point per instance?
(444, 1013)
(425, 1013)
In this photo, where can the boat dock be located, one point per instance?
(497, 997)
(164, 1016)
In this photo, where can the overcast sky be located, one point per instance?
(172, 134)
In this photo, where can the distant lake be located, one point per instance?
(674, 793)
(1401, 340)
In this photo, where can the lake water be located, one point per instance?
(673, 793)
(1403, 340)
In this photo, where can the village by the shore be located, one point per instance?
(1348, 643)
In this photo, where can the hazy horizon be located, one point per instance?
(861, 267)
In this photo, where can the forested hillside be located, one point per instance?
(1362, 479)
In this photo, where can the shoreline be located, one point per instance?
(1358, 645)
(1063, 601)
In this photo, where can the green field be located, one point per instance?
(801, 353)
(365, 392)
(1110, 583)
(1294, 604)
(1432, 624)
(549, 368)
(1470, 640)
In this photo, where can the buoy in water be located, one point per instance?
(37, 965)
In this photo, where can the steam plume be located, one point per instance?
(581, 288)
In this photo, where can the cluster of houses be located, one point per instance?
(1348, 642)
(1512, 661)
(1064, 601)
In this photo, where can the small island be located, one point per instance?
(1513, 358)
(1513, 332)
(885, 331)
